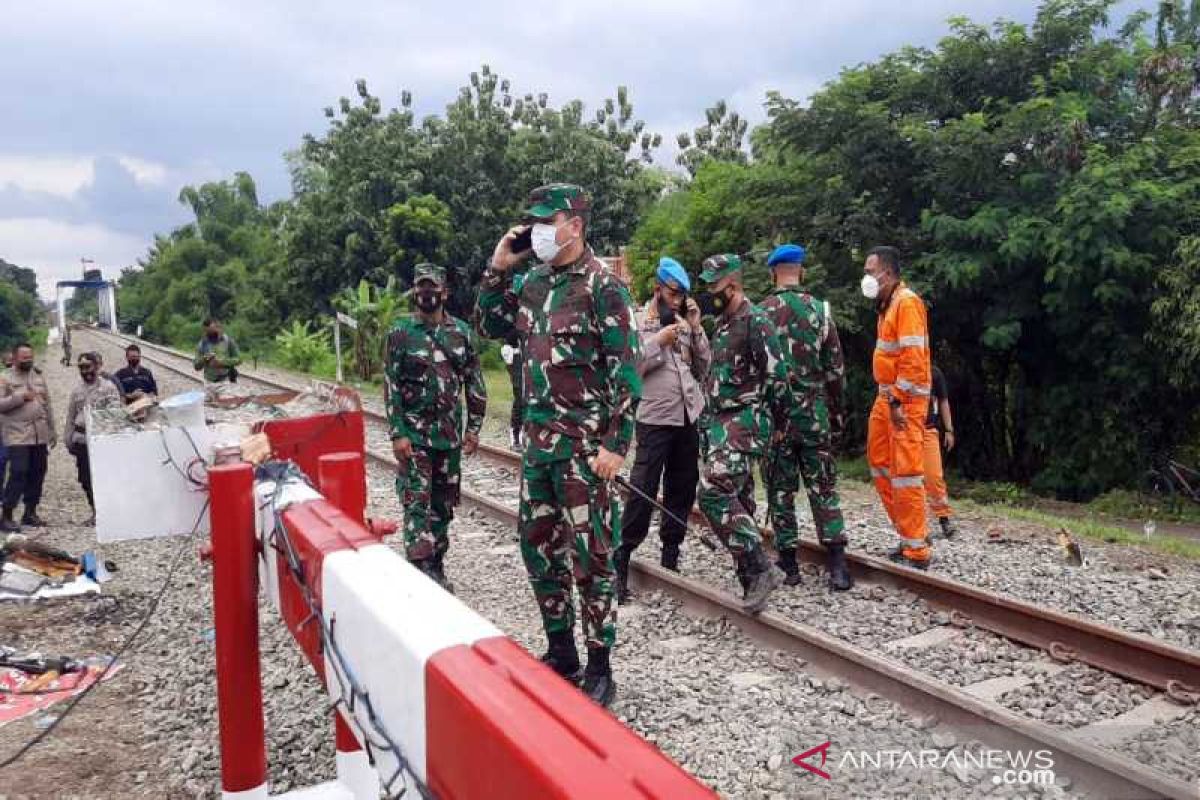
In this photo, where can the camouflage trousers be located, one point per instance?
(569, 528)
(807, 457)
(727, 498)
(428, 489)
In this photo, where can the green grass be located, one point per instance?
(1088, 529)
(1134, 505)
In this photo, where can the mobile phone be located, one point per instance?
(523, 241)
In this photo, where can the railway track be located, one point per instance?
(1089, 754)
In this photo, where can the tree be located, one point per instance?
(1043, 181)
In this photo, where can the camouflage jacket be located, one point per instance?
(811, 348)
(748, 391)
(581, 350)
(428, 368)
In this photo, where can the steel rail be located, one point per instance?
(1095, 770)
(1065, 637)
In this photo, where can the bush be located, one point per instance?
(304, 350)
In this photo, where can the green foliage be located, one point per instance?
(1044, 181)
(380, 191)
(19, 313)
(23, 278)
(304, 350)
(227, 264)
(375, 309)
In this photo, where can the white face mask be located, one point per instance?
(870, 287)
(544, 246)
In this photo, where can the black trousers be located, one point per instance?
(26, 474)
(83, 470)
(668, 453)
(516, 417)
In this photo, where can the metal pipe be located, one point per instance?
(235, 615)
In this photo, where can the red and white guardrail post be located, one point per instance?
(421, 677)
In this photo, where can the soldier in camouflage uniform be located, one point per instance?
(431, 361)
(575, 323)
(803, 447)
(748, 394)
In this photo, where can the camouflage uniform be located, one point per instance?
(428, 369)
(814, 361)
(747, 392)
(581, 390)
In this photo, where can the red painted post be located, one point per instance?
(235, 615)
(342, 479)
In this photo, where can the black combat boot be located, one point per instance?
(562, 657)
(763, 577)
(787, 563)
(598, 683)
(670, 556)
(743, 576)
(621, 579)
(439, 572)
(31, 518)
(949, 529)
(6, 522)
(840, 578)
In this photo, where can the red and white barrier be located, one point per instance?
(471, 712)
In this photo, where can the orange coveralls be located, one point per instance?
(901, 367)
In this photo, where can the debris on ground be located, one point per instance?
(31, 682)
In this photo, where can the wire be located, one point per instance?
(77, 699)
(348, 685)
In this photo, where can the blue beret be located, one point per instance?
(670, 270)
(786, 254)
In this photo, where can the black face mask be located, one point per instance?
(666, 314)
(428, 302)
(24, 366)
(712, 304)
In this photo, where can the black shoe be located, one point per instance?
(8, 526)
(897, 556)
(787, 563)
(621, 578)
(562, 657)
(763, 579)
(949, 529)
(598, 683)
(31, 519)
(670, 557)
(439, 572)
(840, 578)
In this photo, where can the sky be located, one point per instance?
(111, 107)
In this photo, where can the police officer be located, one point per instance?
(673, 366)
(431, 361)
(803, 448)
(575, 324)
(748, 395)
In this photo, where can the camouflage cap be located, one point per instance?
(714, 268)
(429, 272)
(546, 201)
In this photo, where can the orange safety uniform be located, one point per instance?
(935, 480)
(902, 370)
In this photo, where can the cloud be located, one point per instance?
(110, 108)
(56, 175)
(53, 248)
(128, 194)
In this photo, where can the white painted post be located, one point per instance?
(337, 347)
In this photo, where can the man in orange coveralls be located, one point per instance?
(895, 433)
